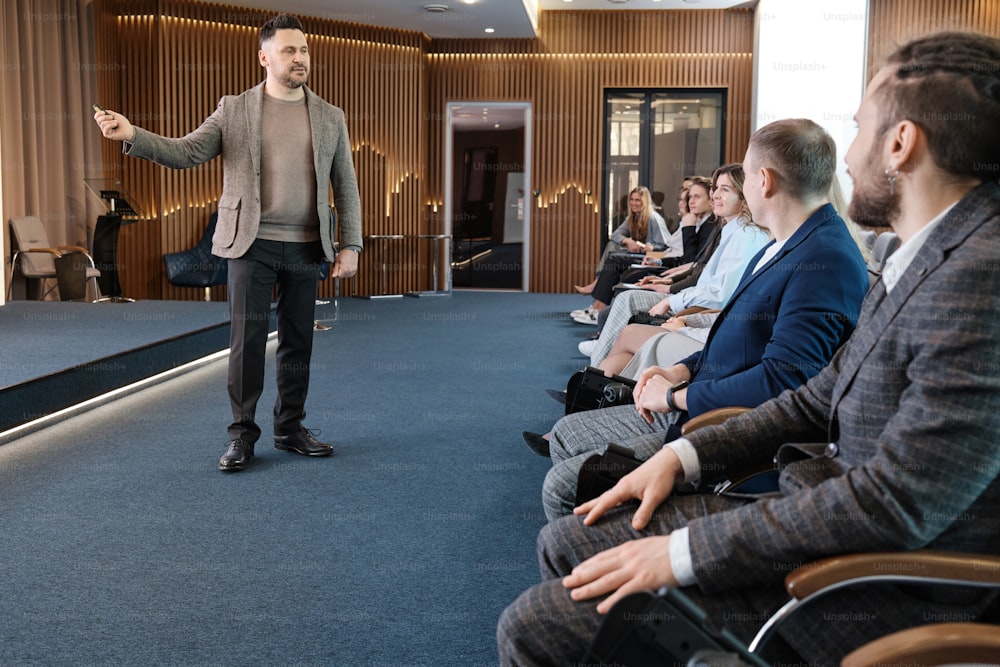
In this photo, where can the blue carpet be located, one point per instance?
(42, 337)
(122, 543)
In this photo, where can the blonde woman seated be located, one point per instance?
(643, 230)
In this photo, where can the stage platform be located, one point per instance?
(57, 354)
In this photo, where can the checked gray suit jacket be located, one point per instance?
(911, 405)
(233, 131)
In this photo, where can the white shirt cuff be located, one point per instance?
(680, 558)
(689, 460)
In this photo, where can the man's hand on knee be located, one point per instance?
(628, 568)
(650, 484)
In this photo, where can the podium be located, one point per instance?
(105, 250)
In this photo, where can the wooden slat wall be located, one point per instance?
(166, 63)
(894, 22)
(564, 74)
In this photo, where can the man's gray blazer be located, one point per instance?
(911, 404)
(233, 131)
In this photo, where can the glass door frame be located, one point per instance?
(646, 140)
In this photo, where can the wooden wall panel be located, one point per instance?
(564, 75)
(168, 61)
(892, 23)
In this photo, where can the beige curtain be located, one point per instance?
(48, 138)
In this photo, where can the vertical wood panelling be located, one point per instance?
(894, 22)
(166, 63)
(564, 75)
(177, 57)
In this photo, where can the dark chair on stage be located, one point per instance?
(198, 267)
(69, 267)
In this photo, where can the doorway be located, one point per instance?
(486, 203)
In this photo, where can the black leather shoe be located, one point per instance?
(302, 442)
(237, 456)
(558, 394)
(537, 442)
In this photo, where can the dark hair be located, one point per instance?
(279, 22)
(800, 152)
(948, 83)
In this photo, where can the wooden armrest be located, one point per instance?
(924, 564)
(936, 644)
(51, 251)
(656, 254)
(73, 248)
(711, 418)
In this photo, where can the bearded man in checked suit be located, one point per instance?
(901, 427)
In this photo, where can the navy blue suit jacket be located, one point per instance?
(783, 324)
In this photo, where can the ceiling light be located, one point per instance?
(436, 9)
(489, 30)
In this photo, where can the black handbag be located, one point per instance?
(645, 318)
(591, 389)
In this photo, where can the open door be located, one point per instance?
(486, 183)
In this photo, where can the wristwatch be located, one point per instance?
(670, 394)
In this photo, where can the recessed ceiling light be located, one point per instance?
(489, 30)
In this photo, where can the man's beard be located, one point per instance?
(290, 82)
(873, 202)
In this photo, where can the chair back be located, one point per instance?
(197, 267)
(28, 232)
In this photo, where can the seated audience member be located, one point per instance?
(700, 235)
(794, 307)
(739, 240)
(642, 230)
(904, 418)
(696, 228)
(640, 346)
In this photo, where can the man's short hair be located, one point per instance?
(948, 83)
(279, 22)
(800, 153)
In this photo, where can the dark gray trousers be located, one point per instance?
(290, 271)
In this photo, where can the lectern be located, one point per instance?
(120, 211)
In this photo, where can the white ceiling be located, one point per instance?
(462, 19)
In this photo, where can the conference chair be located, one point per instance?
(198, 267)
(943, 643)
(69, 267)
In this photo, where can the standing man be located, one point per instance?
(282, 147)
(901, 426)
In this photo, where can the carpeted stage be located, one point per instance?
(123, 544)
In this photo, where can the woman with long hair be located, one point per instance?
(744, 240)
(642, 230)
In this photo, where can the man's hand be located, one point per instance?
(114, 126)
(662, 308)
(669, 273)
(628, 568)
(652, 397)
(346, 264)
(650, 393)
(650, 484)
(689, 220)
